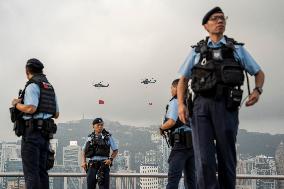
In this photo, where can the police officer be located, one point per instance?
(39, 107)
(181, 158)
(97, 149)
(216, 67)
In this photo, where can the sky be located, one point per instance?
(121, 43)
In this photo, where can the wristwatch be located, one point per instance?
(111, 159)
(259, 90)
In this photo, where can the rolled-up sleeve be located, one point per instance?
(247, 60)
(32, 93)
(113, 144)
(190, 61)
(172, 112)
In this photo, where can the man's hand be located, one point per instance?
(108, 162)
(183, 113)
(253, 98)
(16, 101)
(84, 165)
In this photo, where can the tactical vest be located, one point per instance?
(98, 146)
(217, 66)
(47, 102)
(178, 123)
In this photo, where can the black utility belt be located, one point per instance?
(47, 127)
(184, 138)
(38, 122)
(95, 161)
(97, 164)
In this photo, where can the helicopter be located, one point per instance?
(100, 84)
(148, 81)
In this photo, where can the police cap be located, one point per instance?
(209, 13)
(98, 120)
(34, 63)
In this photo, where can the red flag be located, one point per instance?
(101, 101)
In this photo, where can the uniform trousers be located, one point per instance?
(214, 134)
(93, 175)
(181, 159)
(34, 151)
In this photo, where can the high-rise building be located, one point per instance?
(153, 157)
(10, 161)
(72, 155)
(244, 167)
(155, 137)
(279, 159)
(126, 155)
(119, 163)
(126, 182)
(14, 165)
(165, 149)
(138, 159)
(149, 183)
(71, 162)
(264, 165)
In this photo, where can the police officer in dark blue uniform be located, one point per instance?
(181, 158)
(39, 106)
(216, 67)
(97, 150)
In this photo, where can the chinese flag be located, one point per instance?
(101, 101)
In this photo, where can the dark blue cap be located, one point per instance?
(208, 14)
(34, 63)
(98, 120)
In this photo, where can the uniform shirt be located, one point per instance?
(172, 113)
(32, 94)
(112, 144)
(240, 54)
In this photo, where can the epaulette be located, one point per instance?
(91, 135)
(106, 133)
(231, 42)
(201, 46)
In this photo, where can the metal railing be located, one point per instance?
(19, 175)
(157, 175)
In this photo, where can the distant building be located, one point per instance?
(72, 155)
(10, 161)
(71, 162)
(126, 156)
(149, 183)
(165, 150)
(244, 167)
(119, 163)
(125, 182)
(153, 157)
(259, 165)
(155, 137)
(279, 158)
(264, 165)
(138, 159)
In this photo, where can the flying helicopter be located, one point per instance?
(99, 85)
(147, 81)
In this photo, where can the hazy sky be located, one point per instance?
(123, 41)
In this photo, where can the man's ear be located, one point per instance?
(205, 27)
